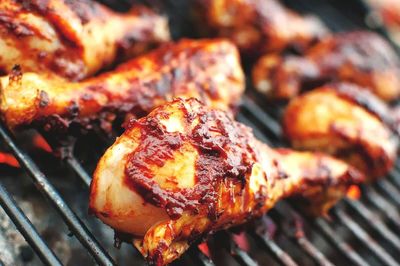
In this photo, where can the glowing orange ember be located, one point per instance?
(354, 192)
(6, 158)
(41, 143)
(204, 248)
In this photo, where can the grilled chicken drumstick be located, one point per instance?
(346, 121)
(73, 39)
(186, 170)
(360, 57)
(258, 26)
(206, 69)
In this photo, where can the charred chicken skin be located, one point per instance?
(346, 121)
(206, 69)
(258, 26)
(187, 170)
(363, 58)
(73, 39)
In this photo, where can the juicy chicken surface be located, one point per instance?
(73, 39)
(258, 26)
(186, 170)
(205, 69)
(346, 121)
(359, 57)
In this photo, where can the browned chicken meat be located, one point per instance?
(346, 121)
(73, 39)
(388, 12)
(258, 26)
(186, 170)
(360, 57)
(206, 69)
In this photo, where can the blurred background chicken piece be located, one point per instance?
(258, 26)
(186, 170)
(346, 121)
(360, 57)
(205, 69)
(73, 39)
(388, 12)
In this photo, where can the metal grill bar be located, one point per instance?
(313, 251)
(73, 163)
(281, 256)
(284, 210)
(342, 246)
(202, 259)
(365, 238)
(378, 225)
(389, 190)
(70, 218)
(27, 229)
(241, 256)
(395, 178)
(385, 206)
(324, 227)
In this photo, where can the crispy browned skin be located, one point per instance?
(346, 121)
(206, 69)
(361, 57)
(186, 170)
(73, 39)
(257, 26)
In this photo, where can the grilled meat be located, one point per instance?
(206, 69)
(258, 26)
(388, 10)
(73, 39)
(186, 170)
(346, 121)
(360, 57)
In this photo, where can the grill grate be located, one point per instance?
(380, 202)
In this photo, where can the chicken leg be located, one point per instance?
(186, 170)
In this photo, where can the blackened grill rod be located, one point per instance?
(296, 233)
(383, 205)
(281, 256)
(395, 177)
(323, 227)
(366, 239)
(73, 163)
(200, 257)
(241, 256)
(342, 246)
(377, 224)
(389, 190)
(269, 122)
(27, 229)
(257, 133)
(46, 188)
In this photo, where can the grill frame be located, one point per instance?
(264, 121)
